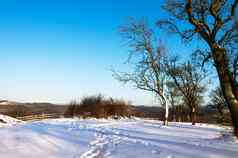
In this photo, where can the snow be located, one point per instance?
(125, 138)
(8, 121)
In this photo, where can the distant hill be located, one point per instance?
(15, 109)
(38, 108)
(6, 102)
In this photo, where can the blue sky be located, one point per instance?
(62, 50)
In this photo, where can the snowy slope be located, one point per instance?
(8, 121)
(72, 138)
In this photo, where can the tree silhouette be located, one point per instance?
(215, 23)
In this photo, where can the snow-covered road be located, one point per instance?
(72, 138)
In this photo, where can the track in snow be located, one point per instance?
(67, 138)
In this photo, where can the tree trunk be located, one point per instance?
(227, 84)
(166, 115)
(193, 115)
(173, 112)
(221, 115)
(179, 114)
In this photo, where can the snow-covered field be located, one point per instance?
(127, 138)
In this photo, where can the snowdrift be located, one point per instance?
(8, 121)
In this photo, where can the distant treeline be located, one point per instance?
(101, 107)
(205, 114)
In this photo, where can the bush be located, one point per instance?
(71, 110)
(98, 107)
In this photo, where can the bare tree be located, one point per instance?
(72, 109)
(189, 81)
(218, 102)
(174, 97)
(147, 58)
(215, 23)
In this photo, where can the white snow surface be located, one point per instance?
(126, 138)
(8, 121)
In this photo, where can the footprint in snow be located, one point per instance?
(156, 152)
(170, 156)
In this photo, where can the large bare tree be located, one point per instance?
(174, 97)
(189, 81)
(147, 58)
(215, 23)
(218, 102)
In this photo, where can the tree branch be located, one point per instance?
(201, 28)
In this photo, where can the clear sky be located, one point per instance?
(59, 50)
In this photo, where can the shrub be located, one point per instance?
(71, 110)
(99, 107)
